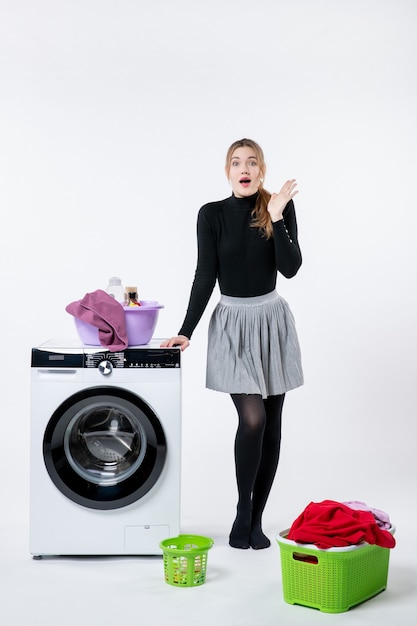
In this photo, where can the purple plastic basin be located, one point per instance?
(140, 325)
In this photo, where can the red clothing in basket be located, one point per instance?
(330, 524)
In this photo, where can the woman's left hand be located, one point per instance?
(279, 201)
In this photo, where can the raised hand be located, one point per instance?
(279, 201)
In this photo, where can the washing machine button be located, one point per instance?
(105, 367)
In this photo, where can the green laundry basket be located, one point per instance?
(332, 580)
(185, 560)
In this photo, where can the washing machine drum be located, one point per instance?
(104, 448)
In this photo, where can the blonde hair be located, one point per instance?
(260, 215)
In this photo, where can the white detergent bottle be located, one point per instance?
(116, 289)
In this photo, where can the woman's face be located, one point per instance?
(244, 172)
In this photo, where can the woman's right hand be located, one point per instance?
(181, 340)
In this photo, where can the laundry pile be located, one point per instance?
(330, 524)
(101, 310)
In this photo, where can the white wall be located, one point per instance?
(115, 117)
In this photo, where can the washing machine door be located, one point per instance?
(104, 447)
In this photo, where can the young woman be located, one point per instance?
(253, 352)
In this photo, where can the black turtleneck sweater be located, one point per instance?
(237, 255)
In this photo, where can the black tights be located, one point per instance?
(257, 447)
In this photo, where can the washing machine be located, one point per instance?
(105, 449)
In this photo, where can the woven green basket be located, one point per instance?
(333, 580)
(185, 560)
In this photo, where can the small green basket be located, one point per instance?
(185, 560)
(332, 580)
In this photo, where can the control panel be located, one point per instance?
(106, 361)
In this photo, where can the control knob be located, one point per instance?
(105, 367)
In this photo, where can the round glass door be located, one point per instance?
(104, 448)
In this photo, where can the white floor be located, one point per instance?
(242, 587)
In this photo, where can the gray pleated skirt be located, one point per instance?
(253, 347)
